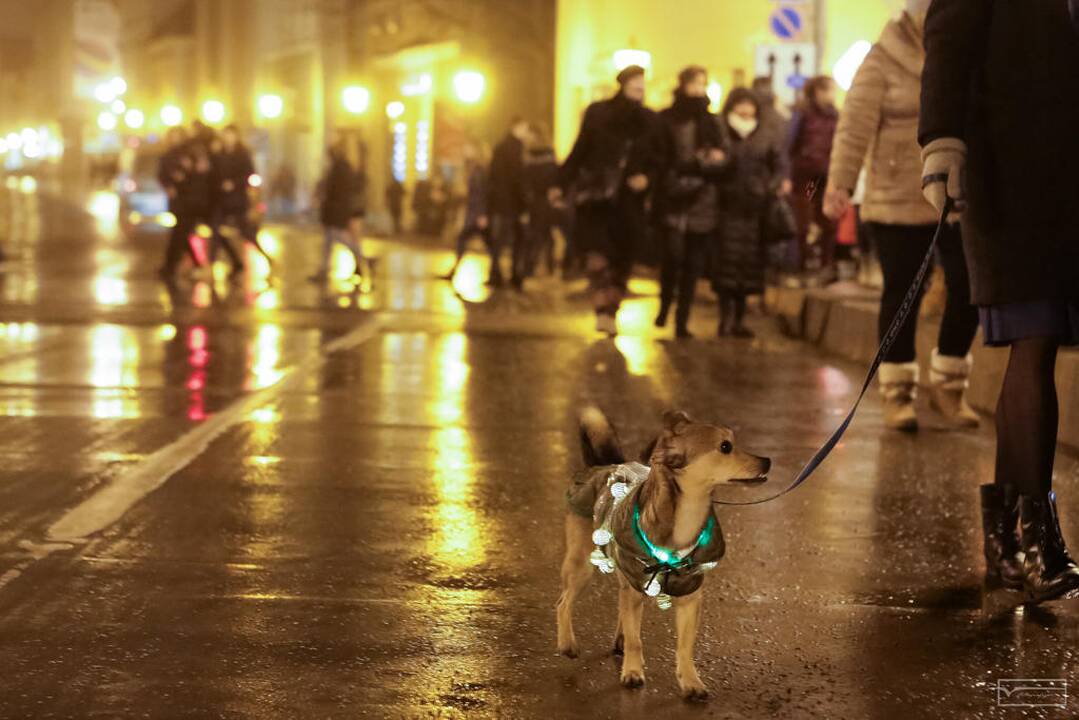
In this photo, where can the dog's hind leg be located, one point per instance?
(630, 611)
(687, 620)
(576, 571)
(619, 640)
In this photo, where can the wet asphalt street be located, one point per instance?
(286, 501)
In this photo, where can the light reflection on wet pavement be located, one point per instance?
(382, 539)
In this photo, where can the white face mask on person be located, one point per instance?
(743, 126)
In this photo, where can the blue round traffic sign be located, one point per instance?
(786, 23)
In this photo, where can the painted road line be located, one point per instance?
(109, 504)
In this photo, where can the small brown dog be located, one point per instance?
(655, 525)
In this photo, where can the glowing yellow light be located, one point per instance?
(267, 355)
(848, 63)
(715, 94)
(28, 135)
(104, 93)
(270, 106)
(134, 217)
(172, 115)
(110, 290)
(356, 99)
(118, 86)
(3, 146)
(628, 56)
(118, 106)
(27, 184)
(204, 231)
(166, 219)
(106, 121)
(167, 332)
(395, 109)
(213, 111)
(12, 183)
(264, 415)
(418, 86)
(105, 207)
(255, 180)
(468, 85)
(14, 140)
(134, 119)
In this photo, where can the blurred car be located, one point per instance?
(143, 202)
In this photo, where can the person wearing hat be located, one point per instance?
(999, 130)
(611, 170)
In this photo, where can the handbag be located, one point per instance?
(780, 224)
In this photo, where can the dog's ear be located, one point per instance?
(646, 454)
(673, 420)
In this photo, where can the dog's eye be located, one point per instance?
(725, 447)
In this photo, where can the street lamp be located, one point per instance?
(395, 109)
(469, 86)
(171, 115)
(213, 111)
(270, 106)
(134, 119)
(356, 99)
(106, 121)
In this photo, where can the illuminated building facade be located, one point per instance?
(732, 38)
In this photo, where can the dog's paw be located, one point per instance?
(632, 678)
(695, 692)
(570, 649)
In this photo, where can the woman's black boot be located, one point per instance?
(1000, 522)
(1049, 572)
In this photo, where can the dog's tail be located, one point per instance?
(599, 442)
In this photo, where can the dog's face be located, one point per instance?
(705, 456)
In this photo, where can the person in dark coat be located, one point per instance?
(395, 200)
(998, 128)
(541, 174)
(476, 219)
(811, 133)
(507, 203)
(232, 171)
(172, 172)
(341, 193)
(694, 146)
(746, 193)
(611, 168)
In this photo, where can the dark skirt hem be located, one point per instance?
(1004, 324)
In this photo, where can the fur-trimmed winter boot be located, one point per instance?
(899, 388)
(948, 380)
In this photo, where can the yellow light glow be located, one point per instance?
(167, 332)
(213, 111)
(118, 106)
(110, 290)
(171, 115)
(204, 231)
(27, 184)
(469, 85)
(134, 217)
(166, 219)
(28, 135)
(14, 140)
(255, 180)
(134, 119)
(270, 106)
(395, 109)
(628, 56)
(266, 356)
(3, 146)
(356, 99)
(104, 93)
(118, 86)
(848, 63)
(104, 205)
(420, 85)
(715, 95)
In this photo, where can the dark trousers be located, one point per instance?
(901, 249)
(234, 218)
(506, 232)
(682, 262)
(180, 241)
(607, 233)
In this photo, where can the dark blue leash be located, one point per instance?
(885, 345)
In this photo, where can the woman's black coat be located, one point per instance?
(1003, 76)
(745, 193)
(342, 193)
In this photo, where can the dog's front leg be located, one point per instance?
(630, 611)
(687, 619)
